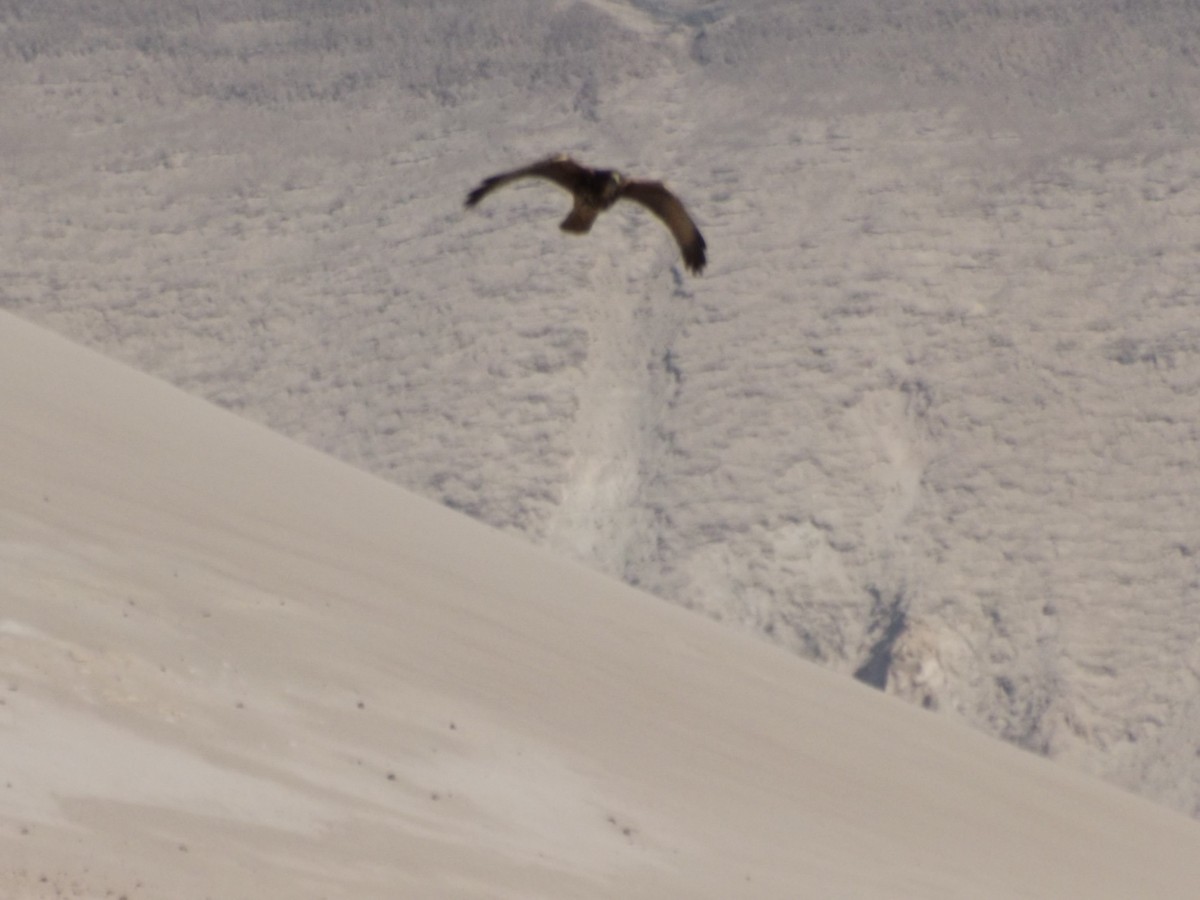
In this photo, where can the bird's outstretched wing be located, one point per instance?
(562, 170)
(656, 198)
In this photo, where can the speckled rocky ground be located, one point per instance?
(929, 417)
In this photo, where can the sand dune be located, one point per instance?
(234, 667)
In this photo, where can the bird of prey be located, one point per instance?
(595, 190)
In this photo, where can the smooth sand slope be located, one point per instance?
(232, 667)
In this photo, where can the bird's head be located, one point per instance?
(613, 185)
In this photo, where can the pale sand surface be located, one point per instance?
(233, 667)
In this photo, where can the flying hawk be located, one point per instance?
(595, 190)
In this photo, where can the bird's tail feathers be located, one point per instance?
(580, 219)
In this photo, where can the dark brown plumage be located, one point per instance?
(595, 190)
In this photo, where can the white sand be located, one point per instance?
(233, 667)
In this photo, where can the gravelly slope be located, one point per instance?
(930, 417)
